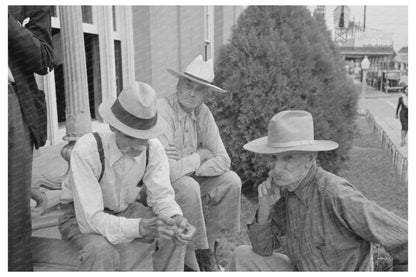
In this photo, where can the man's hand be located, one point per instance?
(161, 227)
(397, 116)
(269, 194)
(172, 153)
(185, 231)
(204, 154)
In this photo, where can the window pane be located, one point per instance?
(87, 14)
(119, 66)
(53, 11)
(114, 19)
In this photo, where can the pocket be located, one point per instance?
(329, 254)
(335, 257)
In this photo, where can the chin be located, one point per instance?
(133, 154)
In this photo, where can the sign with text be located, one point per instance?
(373, 38)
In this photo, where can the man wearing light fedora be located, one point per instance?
(199, 164)
(108, 173)
(322, 221)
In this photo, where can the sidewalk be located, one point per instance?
(381, 110)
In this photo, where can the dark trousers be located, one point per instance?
(19, 174)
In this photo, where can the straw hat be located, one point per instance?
(199, 71)
(134, 112)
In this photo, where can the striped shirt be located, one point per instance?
(326, 224)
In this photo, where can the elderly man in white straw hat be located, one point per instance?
(109, 170)
(322, 221)
(199, 164)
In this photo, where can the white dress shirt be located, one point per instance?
(118, 187)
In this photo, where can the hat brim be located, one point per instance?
(211, 86)
(260, 146)
(105, 111)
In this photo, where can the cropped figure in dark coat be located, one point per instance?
(30, 51)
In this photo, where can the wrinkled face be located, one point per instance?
(128, 145)
(287, 169)
(405, 90)
(191, 94)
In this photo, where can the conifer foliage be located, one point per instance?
(280, 58)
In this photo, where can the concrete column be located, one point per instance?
(107, 56)
(127, 44)
(78, 118)
(47, 84)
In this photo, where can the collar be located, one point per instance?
(114, 153)
(173, 101)
(301, 189)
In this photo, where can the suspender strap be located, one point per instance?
(101, 153)
(143, 192)
(140, 184)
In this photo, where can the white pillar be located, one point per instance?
(127, 43)
(47, 84)
(107, 56)
(78, 118)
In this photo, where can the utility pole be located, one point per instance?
(365, 11)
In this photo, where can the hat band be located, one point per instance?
(291, 143)
(130, 120)
(199, 79)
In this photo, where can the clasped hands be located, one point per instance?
(204, 153)
(176, 228)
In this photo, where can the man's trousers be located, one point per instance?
(19, 187)
(142, 254)
(244, 259)
(211, 204)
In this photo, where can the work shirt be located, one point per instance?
(118, 187)
(188, 132)
(327, 224)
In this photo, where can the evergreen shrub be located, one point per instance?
(280, 58)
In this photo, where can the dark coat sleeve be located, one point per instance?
(33, 42)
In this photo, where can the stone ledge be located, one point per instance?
(50, 254)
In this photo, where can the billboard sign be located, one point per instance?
(373, 38)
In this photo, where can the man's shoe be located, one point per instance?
(206, 260)
(187, 268)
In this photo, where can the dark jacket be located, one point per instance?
(30, 51)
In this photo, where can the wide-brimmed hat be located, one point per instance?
(134, 112)
(290, 131)
(199, 71)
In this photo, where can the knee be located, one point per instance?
(100, 250)
(242, 252)
(186, 188)
(232, 180)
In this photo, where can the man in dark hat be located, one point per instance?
(199, 164)
(103, 217)
(322, 221)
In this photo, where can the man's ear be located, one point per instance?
(312, 156)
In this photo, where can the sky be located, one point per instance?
(387, 18)
(390, 19)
